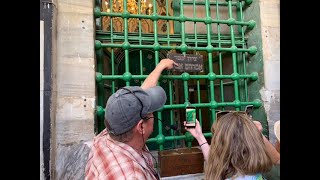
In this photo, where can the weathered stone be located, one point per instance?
(73, 162)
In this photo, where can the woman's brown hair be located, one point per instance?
(237, 148)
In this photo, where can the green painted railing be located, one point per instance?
(100, 65)
(217, 47)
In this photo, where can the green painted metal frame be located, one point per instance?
(208, 42)
(100, 65)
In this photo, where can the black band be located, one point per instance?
(203, 143)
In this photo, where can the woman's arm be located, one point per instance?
(197, 133)
(271, 150)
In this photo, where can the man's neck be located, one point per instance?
(137, 144)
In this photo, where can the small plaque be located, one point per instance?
(187, 63)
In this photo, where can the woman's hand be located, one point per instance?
(195, 131)
(258, 125)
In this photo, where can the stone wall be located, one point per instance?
(270, 31)
(75, 77)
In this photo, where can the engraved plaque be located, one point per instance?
(187, 63)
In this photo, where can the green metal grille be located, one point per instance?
(126, 58)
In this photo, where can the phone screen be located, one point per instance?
(190, 116)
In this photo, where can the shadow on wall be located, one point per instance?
(75, 162)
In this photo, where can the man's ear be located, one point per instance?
(139, 127)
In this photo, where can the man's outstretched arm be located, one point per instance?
(153, 77)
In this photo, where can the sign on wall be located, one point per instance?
(187, 63)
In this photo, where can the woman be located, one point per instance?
(237, 150)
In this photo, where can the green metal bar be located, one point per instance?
(165, 40)
(101, 34)
(184, 47)
(169, 138)
(100, 90)
(240, 30)
(255, 103)
(220, 58)
(211, 3)
(221, 80)
(126, 44)
(210, 76)
(199, 102)
(180, 18)
(210, 49)
(240, 82)
(98, 14)
(170, 81)
(201, 38)
(147, 37)
(100, 86)
(195, 24)
(185, 90)
(234, 58)
(196, 45)
(205, 105)
(185, 76)
(209, 105)
(183, 36)
(210, 60)
(97, 6)
(243, 54)
(172, 138)
(140, 41)
(160, 134)
(168, 24)
(112, 52)
(99, 55)
(186, 99)
(156, 47)
(239, 56)
(176, 14)
(212, 20)
(171, 102)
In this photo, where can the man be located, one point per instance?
(119, 151)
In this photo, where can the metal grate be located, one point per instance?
(129, 45)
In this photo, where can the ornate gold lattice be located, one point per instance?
(133, 23)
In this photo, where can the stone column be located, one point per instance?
(75, 80)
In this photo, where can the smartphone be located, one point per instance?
(190, 116)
